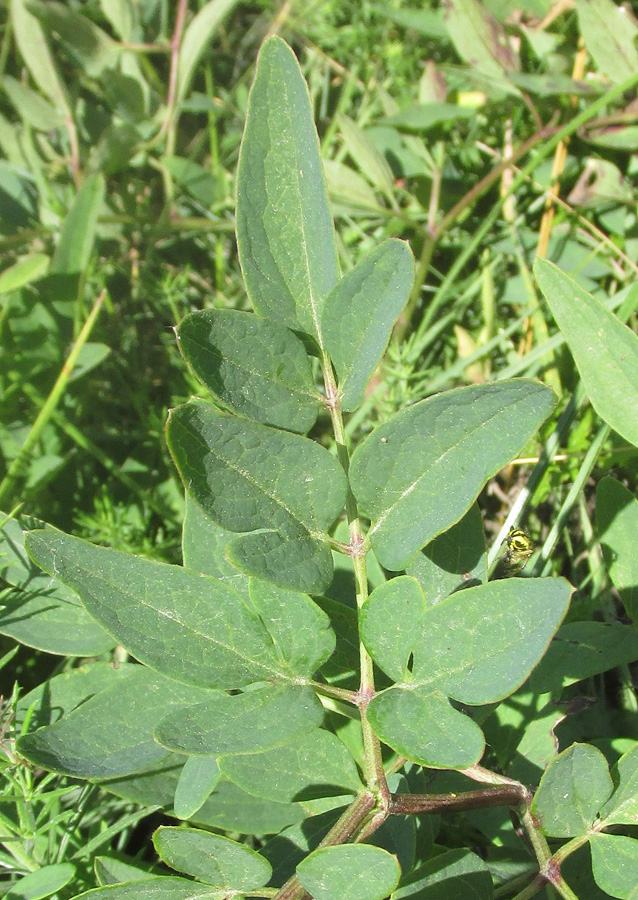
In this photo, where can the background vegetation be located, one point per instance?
(484, 135)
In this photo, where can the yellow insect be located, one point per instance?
(519, 548)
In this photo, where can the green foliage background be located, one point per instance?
(120, 129)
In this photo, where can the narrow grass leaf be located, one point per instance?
(316, 765)
(212, 858)
(360, 313)
(285, 234)
(258, 719)
(605, 351)
(256, 368)
(111, 733)
(420, 471)
(616, 528)
(185, 625)
(421, 725)
(282, 488)
(350, 872)
(573, 788)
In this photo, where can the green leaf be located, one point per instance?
(91, 47)
(609, 34)
(359, 315)
(454, 875)
(187, 626)
(77, 237)
(419, 472)
(390, 624)
(480, 644)
(111, 733)
(160, 887)
(282, 487)
(31, 107)
(300, 630)
(197, 35)
(232, 809)
(259, 719)
(154, 786)
(285, 234)
(369, 160)
(26, 270)
(420, 723)
(286, 850)
(59, 695)
(116, 147)
(41, 883)
(583, 649)
(197, 180)
(109, 870)
(614, 862)
(204, 548)
(479, 39)
(42, 612)
(616, 527)
(216, 860)
(429, 115)
(453, 560)
(347, 189)
(52, 620)
(316, 765)
(477, 646)
(573, 788)
(199, 777)
(350, 872)
(605, 351)
(622, 808)
(256, 368)
(37, 56)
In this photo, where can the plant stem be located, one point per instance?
(15, 470)
(375, 776)
(343, 829)
(413, 804)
